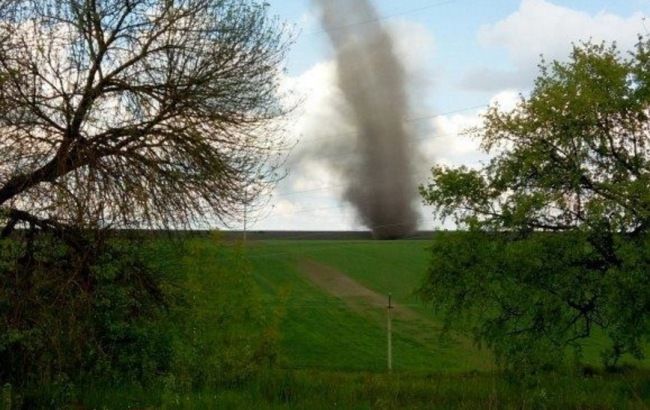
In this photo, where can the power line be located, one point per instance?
(413, 119)
(345, 155)
(309, 210)
(327, 187)
(382, 18)
(323, 188)
(474, 107)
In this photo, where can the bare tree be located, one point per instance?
(136, 112)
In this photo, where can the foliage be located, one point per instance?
(121, 114)
(339, 350)
(65, 315)
(184, 315)
(558, 220)
(223, 334)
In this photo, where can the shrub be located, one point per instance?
(225, 335)
(68, 312)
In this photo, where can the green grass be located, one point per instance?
(330, 353)
(312, 389)
(333, 355)
(319, 331)
(396, 267)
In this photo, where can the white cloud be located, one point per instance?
(541, 27)
(495, 79)
(309, 198)
(449, 145)
(285, 207)
(415, 47)
(506, 99)
(308, 22)
(317, 97)
(315, 174)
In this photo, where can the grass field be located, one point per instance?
(323, 330)
(327, 331)
(333, 339)
(329, 297)
(310, 389)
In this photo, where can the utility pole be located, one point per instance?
(245, 212)
(390, 334)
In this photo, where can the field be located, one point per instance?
(330, 297)
(324, 320)
(336, 324)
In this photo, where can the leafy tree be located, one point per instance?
(557, 241)
(225, 335)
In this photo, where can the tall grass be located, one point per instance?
(308, 389)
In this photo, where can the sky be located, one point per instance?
(460, 56)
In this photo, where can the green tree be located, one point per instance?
(557, 223)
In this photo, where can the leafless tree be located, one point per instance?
(136, 112)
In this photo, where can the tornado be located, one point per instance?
(380, 183)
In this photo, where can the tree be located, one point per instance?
(121, 114)
(558, 221)
(136, 112)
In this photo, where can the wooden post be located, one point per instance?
(245, 212)
(390, 334)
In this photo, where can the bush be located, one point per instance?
(224, 335)
(69, 312)
(128, 311)
(533, 298)
(558, 220)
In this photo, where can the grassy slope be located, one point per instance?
(319, 331)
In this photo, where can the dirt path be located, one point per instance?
(351, 292)
(408, 323)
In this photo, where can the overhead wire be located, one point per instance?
(382, 18)
(410, 119)
(291, 193)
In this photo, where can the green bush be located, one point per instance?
(534, 298)
(558, 220)
(128, 311)
(69, 312)
(224, 334)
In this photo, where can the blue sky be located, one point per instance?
(461, 54)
